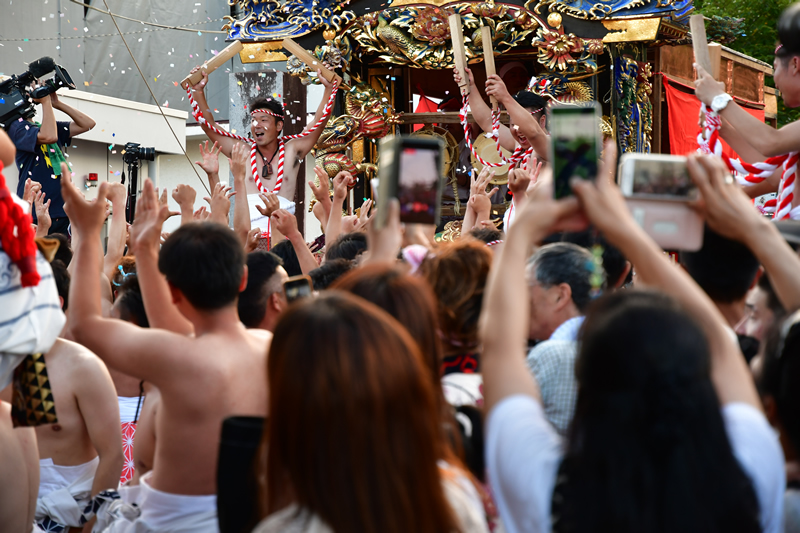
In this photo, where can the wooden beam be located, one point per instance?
(449, 117)
(700, 43)
(459, 54)
(313, 63)
(213, 64)
(488, 57)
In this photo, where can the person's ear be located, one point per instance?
(61, 303)
(623, 277)
(177, 295)
(563, 295)
(543, 121)
(770, 409)
(277, 301)
(243, 281)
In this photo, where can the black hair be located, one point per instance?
(647, 449)
(486, 235)
(789, 32)
(347, 246)
(724, 269)
(780, 374)
(261, 267)
(564, 262)
(773, 302)
(130, 302)
(613, 261)
(529, 100)
(324, 276)
(64, 252)
(271, 105)
(285, 251)
(205, 261)
(62, 279)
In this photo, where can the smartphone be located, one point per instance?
(410, 169)
(575, 144)
(297, 287)
(658, 190)
(656, 177)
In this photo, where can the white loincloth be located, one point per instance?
(143, 509)
(128, 408)
(257, 220)
(64, 491)
(30, 317)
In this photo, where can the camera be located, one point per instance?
(16, 95)
(134, 153)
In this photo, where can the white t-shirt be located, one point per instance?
(523, 453)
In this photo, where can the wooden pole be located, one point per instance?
(313, 63)
(213, 64)
(459, 56)
(700, 44)
(488, 57)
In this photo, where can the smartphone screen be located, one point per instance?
(662, 178)
(418, 179)
(575, 145)
(297, 287)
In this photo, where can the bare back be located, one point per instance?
(19, 468)
(225, 375)
(67, 443)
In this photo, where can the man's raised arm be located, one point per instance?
(303, 145)
(148, 354)
(482, 113)
(81, 122)
(528, 125)
(198, 92)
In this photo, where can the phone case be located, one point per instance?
(673, 225)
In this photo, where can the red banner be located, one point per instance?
(684, 109)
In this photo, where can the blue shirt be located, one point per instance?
(33, 162)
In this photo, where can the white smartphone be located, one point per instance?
(658, 190)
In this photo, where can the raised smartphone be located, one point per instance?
(410, 169)
(297, 287)
(575, 144)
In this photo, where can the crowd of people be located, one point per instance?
(561, 373)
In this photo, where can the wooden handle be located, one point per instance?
(700, 43)
(213, 64)
(313, 63)
(488, 57)
(459, 56)
(715, 53)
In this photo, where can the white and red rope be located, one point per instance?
(197, 113)
(519, 154)
(751, 173)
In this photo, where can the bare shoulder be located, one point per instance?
(260, 335)
(74, 356)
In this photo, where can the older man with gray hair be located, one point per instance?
(559, 280)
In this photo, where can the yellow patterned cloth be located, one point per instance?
(32, 403)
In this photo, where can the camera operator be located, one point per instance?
(40, 150)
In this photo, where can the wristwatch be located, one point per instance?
(720, 102)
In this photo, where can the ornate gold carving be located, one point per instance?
(631, 30)
(262, 53)
(554, 20)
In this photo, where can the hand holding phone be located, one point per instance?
(574, 144)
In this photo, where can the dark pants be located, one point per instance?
(59, 225)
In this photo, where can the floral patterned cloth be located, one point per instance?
(128, 432)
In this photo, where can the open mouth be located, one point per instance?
(259, 134)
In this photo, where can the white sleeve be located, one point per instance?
(756, 447)
(523, 453)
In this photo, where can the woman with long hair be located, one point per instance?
(353, 441)
(668, 434)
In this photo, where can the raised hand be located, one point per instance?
(271, 204)
(238, 160)
(145, 233)
(497, 88)
(340, 183)
(363, 216)
(285, 223)
(185, 196)
(117, 195)
(42, 214)
(457, 76)
(325, 83)
(518, 181)
(31, 188)
(210, 162)
(706, 87)
(220, 203)
(385, 243)
(201, 215)
(323, 192)
(251, 243)
(200, 85)
(478, 184)
(86, 217)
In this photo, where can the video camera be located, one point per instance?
(16, 98)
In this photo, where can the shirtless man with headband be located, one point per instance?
(265, 129)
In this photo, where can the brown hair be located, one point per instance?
(354, 435)
(457, 273)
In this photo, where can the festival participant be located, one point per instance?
(668, 434)
(374, 459)
(40, 151)
(30, 321)
(559, 278)
(263, 300)
(331, 270)
(457, 274)
(204, 265)
(750, 137)
(276, 169)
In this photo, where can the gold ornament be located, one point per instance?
(554, 20)
(329, 34)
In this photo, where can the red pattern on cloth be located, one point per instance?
(128, 432)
